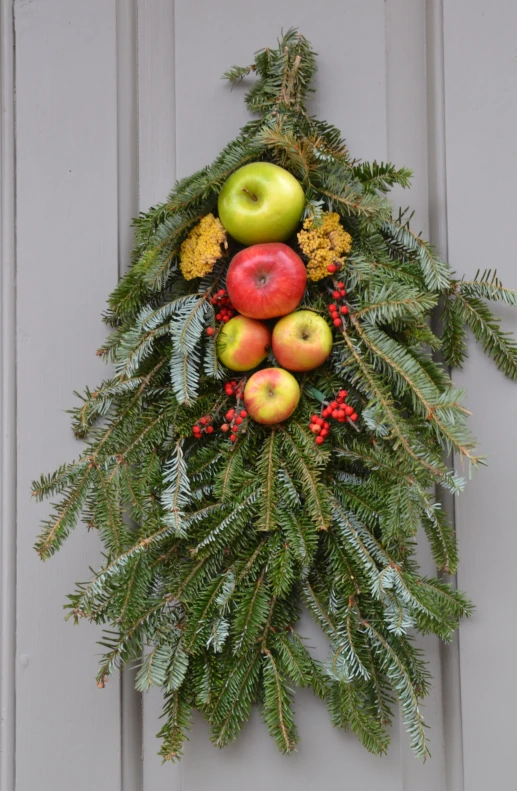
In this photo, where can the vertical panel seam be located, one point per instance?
(438, 223)
(127, 197)
(387, 44)
(8, 373)
(181, 772)
(174, 79)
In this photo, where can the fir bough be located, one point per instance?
(211, 549)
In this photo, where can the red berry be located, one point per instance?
(210, 331)
(354, 416)
(336, 294)
(316, 429)
(324, 432)
(196, 430)
(332, 308)
(342, 292)
(319, 421)
(326, 425)
(320, 440)
(335, 413)
(341, 414)
(225, 427)
(243, 413)
(344, 309)
(326, 412)
(332, 268)
(238, 420)
(343, 393)
(340, 285)
(230, 414)
(233, 437)
(221, 292)
(349, 410)
(336, 322)
(203, 421)
(314, 419)
(333, 404)
(219, 316)
(225, 319)
(209, 429)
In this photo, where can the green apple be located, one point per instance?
(302, 341)
(271, 395)
(243, 343)
(261, 202)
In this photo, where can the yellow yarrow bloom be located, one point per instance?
(202, 248)
(324, 244)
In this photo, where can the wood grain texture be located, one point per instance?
(7, 402)
(481, 118)
(68, 731)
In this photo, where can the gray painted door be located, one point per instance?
(115, 99)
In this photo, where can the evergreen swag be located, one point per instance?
(225, 542)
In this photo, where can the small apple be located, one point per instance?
(266, 280)
(243, 343)
(261, 202)
(271, 395)
(302, 341)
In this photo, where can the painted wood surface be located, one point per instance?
(481, 118)
(67, 731)
(115, 99)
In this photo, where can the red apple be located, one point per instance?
(302, 341)
(243, 343)
(271, 395)
(266, 280)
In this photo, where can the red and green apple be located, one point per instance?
(266, 280)
(302, 341)
(271, 395)
(243, 343)
(261, 202)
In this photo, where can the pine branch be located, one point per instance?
(277, 711)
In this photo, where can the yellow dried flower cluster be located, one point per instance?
(324, 244)
(202, 248)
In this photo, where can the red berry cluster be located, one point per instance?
(338, 311)
(235, 418)
(319, 427)
(203, 426)
(224, 306)
(233, 388)
(338, 410)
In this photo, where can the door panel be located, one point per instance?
(115, 99)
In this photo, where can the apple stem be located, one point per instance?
(252, 196)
